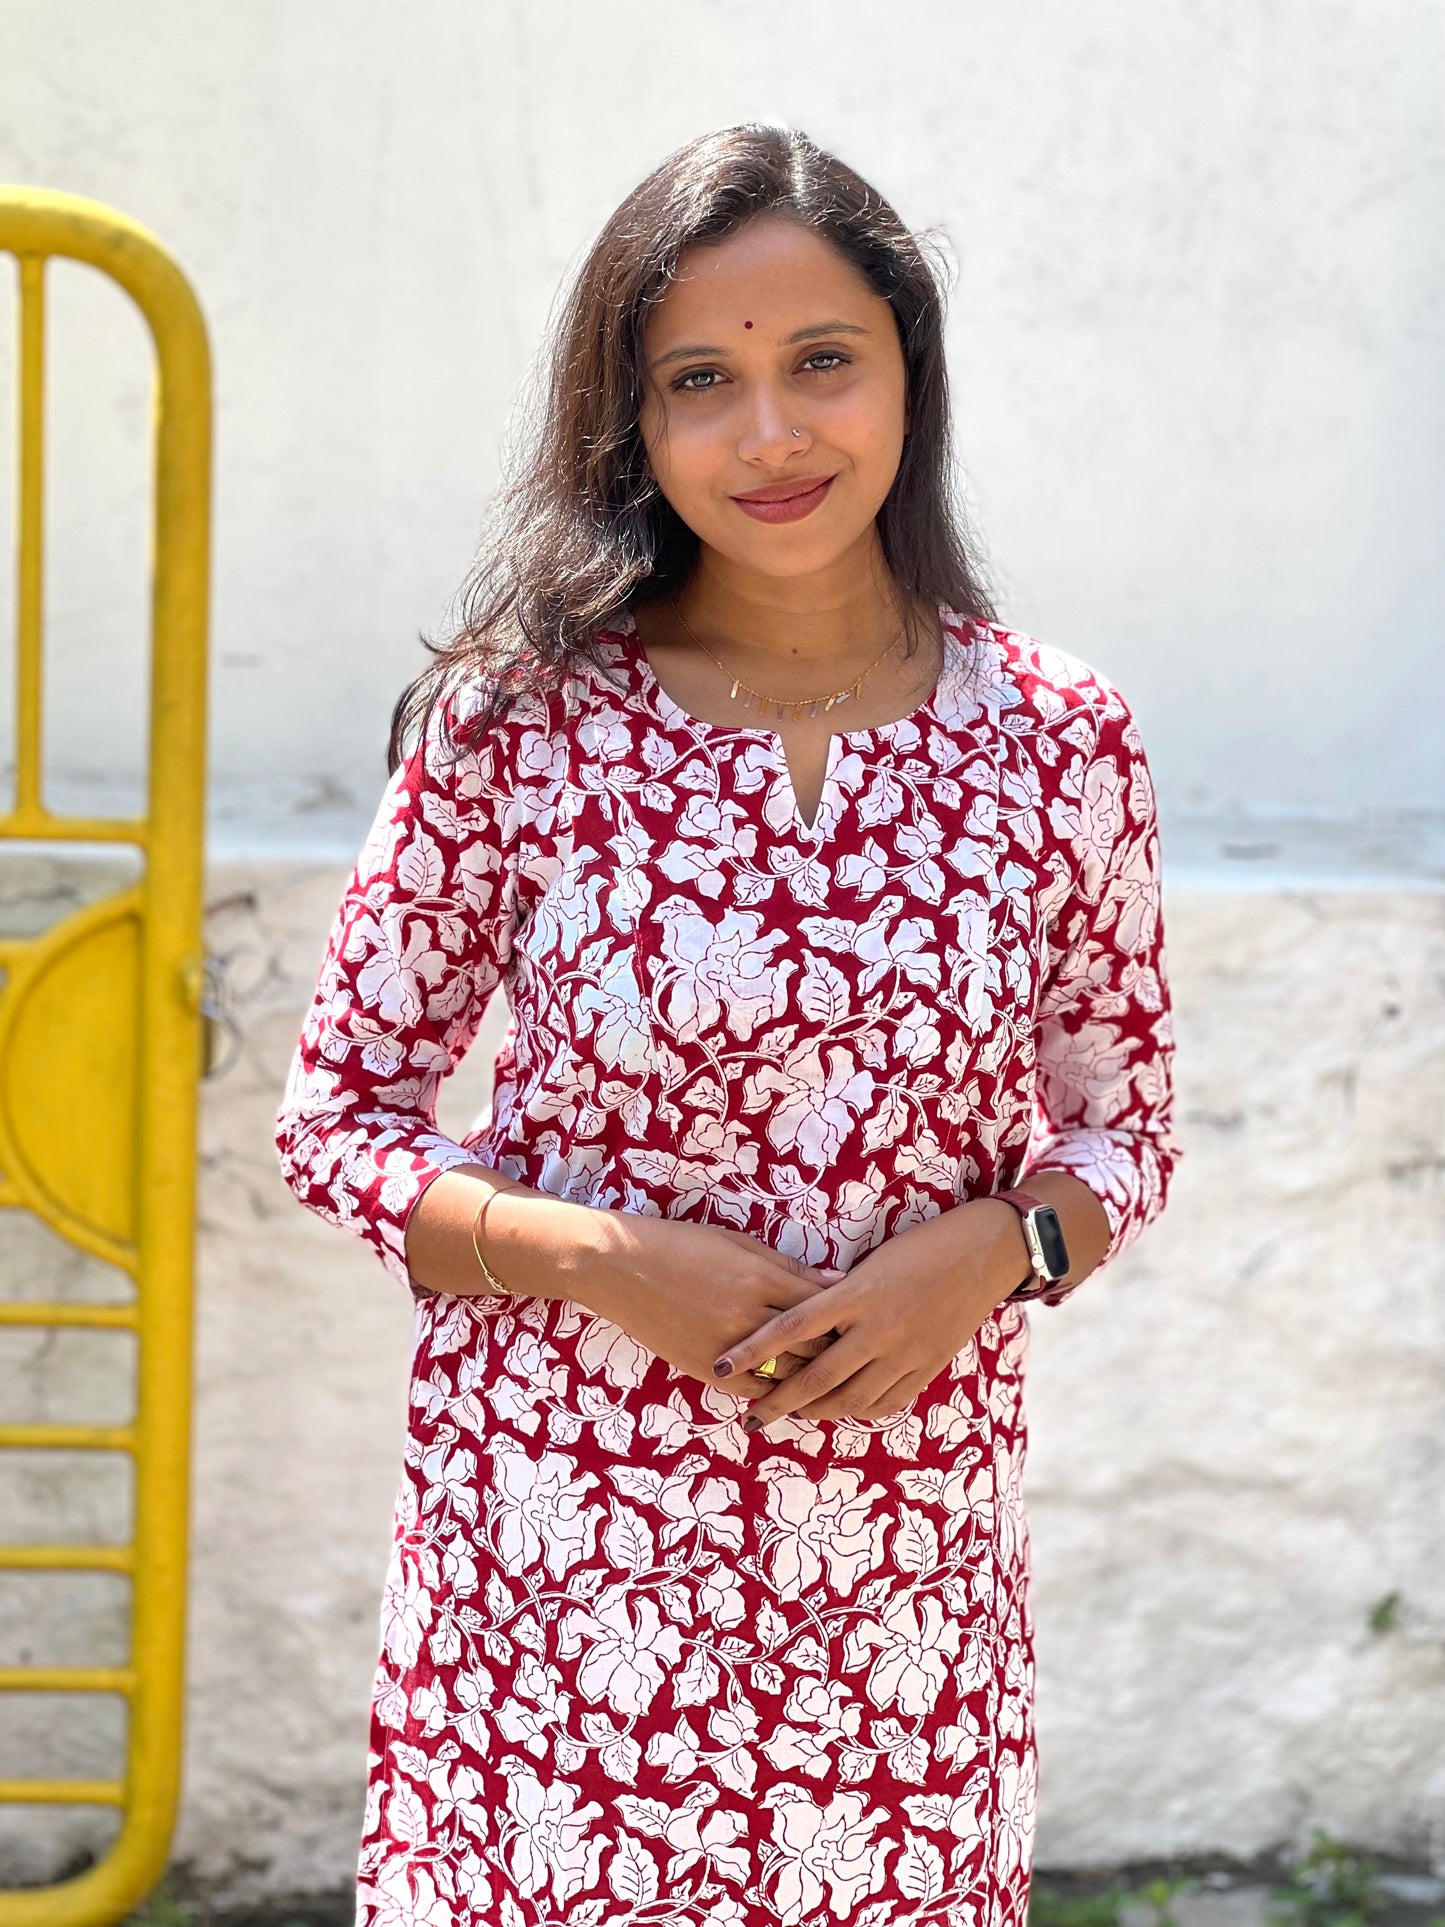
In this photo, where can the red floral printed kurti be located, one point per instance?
(638, 1666)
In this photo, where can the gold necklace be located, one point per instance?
(786, 706)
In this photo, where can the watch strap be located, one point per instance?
(1023, 1199)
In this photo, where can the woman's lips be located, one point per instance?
(791, 508)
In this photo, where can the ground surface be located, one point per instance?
(1330, 1888)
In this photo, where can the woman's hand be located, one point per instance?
(685, 1291)
(900, 1314)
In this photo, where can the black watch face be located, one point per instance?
(1051, 1241)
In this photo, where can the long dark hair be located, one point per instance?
(581, 531)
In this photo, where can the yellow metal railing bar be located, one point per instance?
(71, 1793)
(30, 579)
(68, 1438)
(66, 1679)
(106, 1317)
(73, 829)
(129, 972)
(66, 1558)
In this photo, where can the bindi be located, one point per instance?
(747, 324)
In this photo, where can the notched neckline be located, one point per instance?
(670, 711)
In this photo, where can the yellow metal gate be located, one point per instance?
(100, 1047)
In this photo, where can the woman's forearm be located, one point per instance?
(536, 1244)
(1082, 1220)
(543, 1246)
(979, 1248)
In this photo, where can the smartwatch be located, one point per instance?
(1044, 1236)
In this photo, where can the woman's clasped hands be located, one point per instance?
(717, 1303)
(900, 1315)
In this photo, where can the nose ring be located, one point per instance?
(797, 431)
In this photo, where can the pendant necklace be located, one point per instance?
(791, 707)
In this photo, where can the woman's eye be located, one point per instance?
(702, 381)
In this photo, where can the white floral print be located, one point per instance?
(636, 1666)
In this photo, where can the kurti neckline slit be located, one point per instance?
(672, 714)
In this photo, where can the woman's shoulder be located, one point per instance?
(1036, 686)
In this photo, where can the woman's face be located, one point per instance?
(766, 333)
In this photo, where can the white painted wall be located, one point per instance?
(1195, 340)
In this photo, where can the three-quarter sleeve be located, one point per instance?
(419, 943)
(1103, 1096)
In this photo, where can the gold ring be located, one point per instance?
(768, 1369)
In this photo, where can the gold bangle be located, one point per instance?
(491, 1277)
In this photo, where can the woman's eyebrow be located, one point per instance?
(825, 328)
(699, 350)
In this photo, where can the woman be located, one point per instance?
(828, 913)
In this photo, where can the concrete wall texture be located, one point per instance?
(1195, 341)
